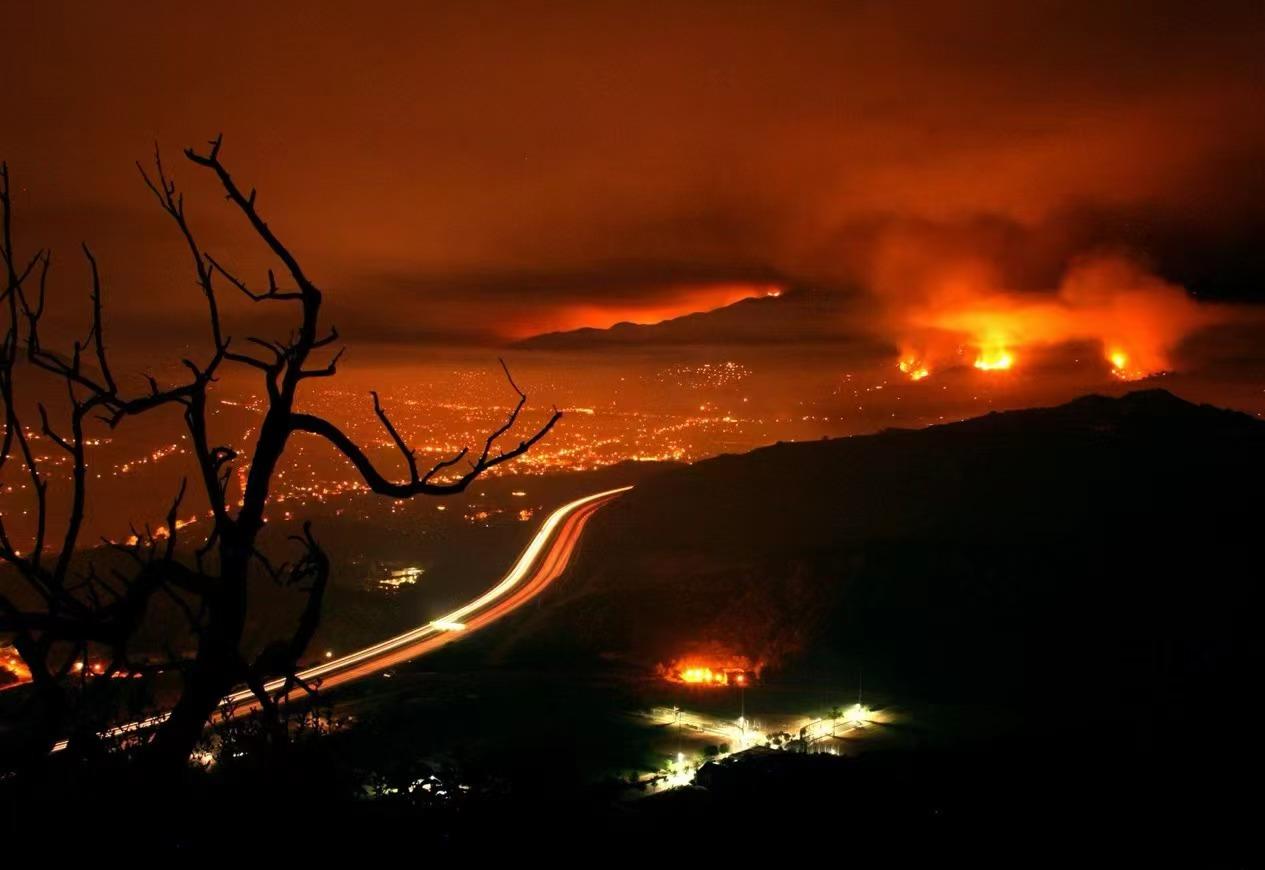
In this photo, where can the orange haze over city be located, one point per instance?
(472, 173)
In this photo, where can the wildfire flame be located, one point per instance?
(1135, 317)
(993, 359)
(913, 368)
(1120, 367)
(11, 662)
(711, 672)
(708, 676)
(704, 676)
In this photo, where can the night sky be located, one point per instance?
(917, 348)
(478, 172)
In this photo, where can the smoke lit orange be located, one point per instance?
(1135, 317)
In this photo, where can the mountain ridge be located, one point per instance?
(797, 315)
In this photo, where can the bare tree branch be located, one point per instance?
(73, 618)
(423, 486)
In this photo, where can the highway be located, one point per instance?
(543, 560)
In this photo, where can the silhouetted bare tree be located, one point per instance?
(64, 611)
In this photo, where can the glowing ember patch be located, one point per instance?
(994, 359)
(1120, 367)
(708, 677)
(11, 663)
(913, 368)
(711, 671)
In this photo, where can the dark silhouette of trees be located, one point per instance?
(62, 610)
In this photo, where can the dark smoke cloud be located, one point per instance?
(464, 171)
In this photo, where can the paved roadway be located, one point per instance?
(541, 563)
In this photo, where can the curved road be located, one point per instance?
(542, 562)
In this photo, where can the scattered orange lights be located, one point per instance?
(97, 669)
(162, 532)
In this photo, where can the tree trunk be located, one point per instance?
(213, 675)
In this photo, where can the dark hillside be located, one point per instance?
(1104, 548)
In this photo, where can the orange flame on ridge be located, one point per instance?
(711, 672)
(1135, 317)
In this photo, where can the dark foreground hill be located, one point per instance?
(1106, 548)
(1078, 582)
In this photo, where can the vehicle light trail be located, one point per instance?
(541, 562)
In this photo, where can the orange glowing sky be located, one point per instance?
(683, 300)
(475, 172)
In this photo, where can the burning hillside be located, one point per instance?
(951, 559)
(714, 669)
(13, 670)
(964, 316)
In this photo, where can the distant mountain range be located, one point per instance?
(796, 316)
